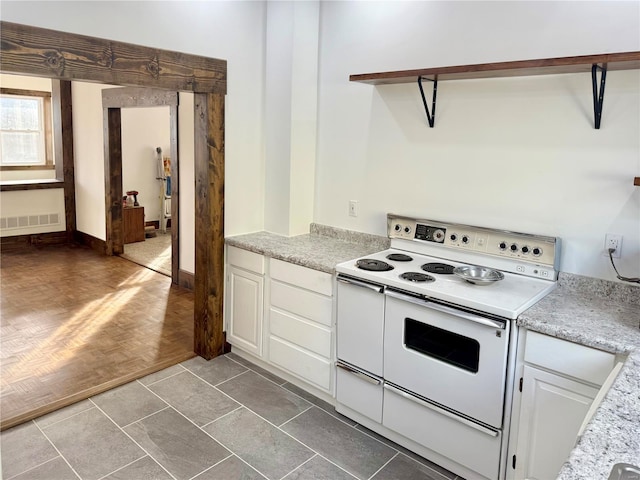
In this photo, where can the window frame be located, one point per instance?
(47, 124)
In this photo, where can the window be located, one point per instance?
(449, 347)
(25, 129)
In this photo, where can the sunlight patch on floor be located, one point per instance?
(89, 320)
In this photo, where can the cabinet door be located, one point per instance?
(133, 224)
(245, 310)
(551, 412)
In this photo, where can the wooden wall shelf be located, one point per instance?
(545, 66)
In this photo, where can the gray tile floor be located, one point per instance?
(225, 419)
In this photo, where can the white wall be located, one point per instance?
(518, 154)
(88, 152)
(291, 87)
(229, 30)
(186, 150)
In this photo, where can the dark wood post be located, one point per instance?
(63, 144)
(209, 262)
(113, 180)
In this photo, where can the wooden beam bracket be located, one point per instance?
(598, 94)
(431, 116)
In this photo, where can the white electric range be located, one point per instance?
(426, 338)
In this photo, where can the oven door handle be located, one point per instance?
(358, 373)
(441, 411)
(359, 283)
(444, 309)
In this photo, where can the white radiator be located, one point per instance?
(26, 221)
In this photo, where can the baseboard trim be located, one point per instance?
(186, 279)
(90, 241)
(22, 242)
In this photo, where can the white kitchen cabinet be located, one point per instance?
(551, 412)
(559, 381)
(300, 337)
(244, 300)
(282, 315)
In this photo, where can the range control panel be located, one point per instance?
(516, 246)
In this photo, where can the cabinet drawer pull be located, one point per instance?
(358, 373)
(441, 411)
(358, 283)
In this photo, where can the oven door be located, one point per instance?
(452, 357)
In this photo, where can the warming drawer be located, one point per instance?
(359, 391)
(465, 442)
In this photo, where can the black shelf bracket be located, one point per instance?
(598, 96)
(431, 116)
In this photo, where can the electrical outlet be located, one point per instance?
(613, 241)
(353, 208)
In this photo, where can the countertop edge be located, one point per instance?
(321, 251)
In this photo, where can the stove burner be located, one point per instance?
(417, 277)
(399, 257)
(441, 268)
(373, 265)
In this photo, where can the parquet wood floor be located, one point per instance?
(74, 323)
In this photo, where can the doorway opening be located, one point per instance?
(146, 182)
(148, 158)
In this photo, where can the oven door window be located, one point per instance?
(449, 347)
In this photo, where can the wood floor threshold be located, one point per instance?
(142, 264)
(6, 423)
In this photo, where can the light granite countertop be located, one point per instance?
(603, 315)
(591, 312)
(322, 249)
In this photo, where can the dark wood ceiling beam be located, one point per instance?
(28, 50)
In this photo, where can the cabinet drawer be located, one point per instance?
(254, 262)
(568, 358)
(308, 335)
(359, 391)
(302, 277)
(311, 368)
(303, 303)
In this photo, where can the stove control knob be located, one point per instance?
(513, 247)
(465, 239)
(503, 246)
(438, 236)
(537, 251)
(453, 237)
(397, 227)
(407, 229)
(525, 249)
